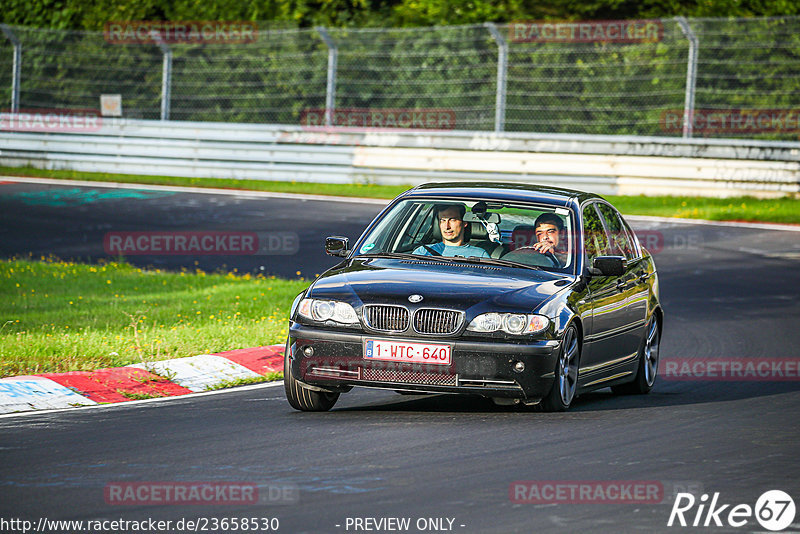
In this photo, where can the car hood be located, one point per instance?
(455, 285)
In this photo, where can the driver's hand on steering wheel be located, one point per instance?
(544, 247)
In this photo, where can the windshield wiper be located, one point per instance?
(450, 259)
(400, 255)
(497, 261)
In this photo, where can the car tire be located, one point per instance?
(565, 384)
(647, 368)
(301, 398)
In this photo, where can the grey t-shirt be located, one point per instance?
(448, 250)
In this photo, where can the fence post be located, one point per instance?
(166, 74)
(502, 67)
(691, 77)
(16, 68)
(330, 90)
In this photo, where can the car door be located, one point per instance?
(637, 289)
(606, 338)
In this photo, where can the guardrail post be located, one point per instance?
(166, 74)
(330, 90)
(691, 77)
(502, 68)
(16, 68)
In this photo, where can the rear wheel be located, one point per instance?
(648, 363)
(301, 398)
(566, 381)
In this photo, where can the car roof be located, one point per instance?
(503, 191)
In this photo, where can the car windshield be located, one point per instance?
(512, 234)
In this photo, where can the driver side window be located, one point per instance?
(620, 240)
(595, 240)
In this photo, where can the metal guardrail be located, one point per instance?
(604, 164)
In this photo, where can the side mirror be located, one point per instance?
(609, 266)
(337, 246)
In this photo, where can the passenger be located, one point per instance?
(451, 224)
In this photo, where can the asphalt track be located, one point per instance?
(728, 293)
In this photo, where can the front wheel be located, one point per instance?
(566, 381)
(301, 398)
(648, 363)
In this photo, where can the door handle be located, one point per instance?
(644, 276)
(621, 285)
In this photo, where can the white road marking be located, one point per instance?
(135, 403)
(37, 392)
(198, 373)
(199, 190)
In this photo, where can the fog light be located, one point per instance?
(308, 351)
(519, 367)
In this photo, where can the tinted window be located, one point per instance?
(620, 240)
(595, 240)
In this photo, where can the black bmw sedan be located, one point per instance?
(525, 294)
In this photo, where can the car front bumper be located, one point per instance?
(334, 360)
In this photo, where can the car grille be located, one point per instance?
(433, 321)
(386, 318)
(408, 377)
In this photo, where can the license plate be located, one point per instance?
(398, 351)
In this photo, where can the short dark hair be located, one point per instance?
(462, 209)
(549, 218)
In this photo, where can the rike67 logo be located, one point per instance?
(774, 510)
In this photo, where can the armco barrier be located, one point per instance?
(604, 164)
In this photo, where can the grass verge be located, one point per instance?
(779, 210)
(269, 377)
(60, 316)
(309, 188)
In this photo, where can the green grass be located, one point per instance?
(780, 210)
(311, 188)
(60, 316)
(269, 377)
(777, 210)
(140, 396)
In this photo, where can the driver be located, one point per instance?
(548, 228)
(451, 223)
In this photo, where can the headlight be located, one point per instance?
(510, 323)
(327, 310)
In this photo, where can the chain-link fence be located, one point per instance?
(730, 77)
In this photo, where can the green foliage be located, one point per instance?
(78, 14)
(559, 87)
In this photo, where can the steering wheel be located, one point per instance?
(548, 259)
(552, 257)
